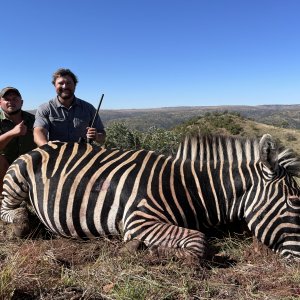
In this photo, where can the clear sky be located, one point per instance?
(154, 53)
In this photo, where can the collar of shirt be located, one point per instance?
(5, 123)
(2, 115)
(25, 116)
(59, 104)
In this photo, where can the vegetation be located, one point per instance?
(67, 269)
(166, 141)
(160, 140)
(57, 268)
(220, 123)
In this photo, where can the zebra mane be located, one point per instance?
(193, 147)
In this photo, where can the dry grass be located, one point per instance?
(65, 269)
(288, 137)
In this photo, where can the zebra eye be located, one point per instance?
(294, 202)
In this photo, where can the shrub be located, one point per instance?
(156, 139)
(120, 136)
(290, 137)
(160, 140)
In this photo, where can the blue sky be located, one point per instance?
(154, 53)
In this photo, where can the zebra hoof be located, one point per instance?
(21, 225)
(164, 254)
(21, 230)
(132, 247)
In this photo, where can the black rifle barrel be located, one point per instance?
(89, 141)
(97, 111)
(93, 121)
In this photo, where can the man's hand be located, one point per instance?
(91, 133)
(19, 129)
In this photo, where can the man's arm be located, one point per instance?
(41, 125)
(18, 130)
(40, 136)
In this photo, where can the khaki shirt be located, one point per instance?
(20, 144)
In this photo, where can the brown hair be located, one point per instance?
(64, 72)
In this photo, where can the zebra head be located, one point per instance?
(274, 215)
(253, 180)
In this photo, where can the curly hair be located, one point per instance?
(64, 72)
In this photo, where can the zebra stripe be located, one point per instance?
(82, 191)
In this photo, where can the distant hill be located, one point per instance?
(281, 121)
(285, 116)
(234, 124)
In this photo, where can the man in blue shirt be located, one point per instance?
(66, 118)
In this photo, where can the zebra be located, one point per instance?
(166, 203)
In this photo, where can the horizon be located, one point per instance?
(188, 107)
(146, 55)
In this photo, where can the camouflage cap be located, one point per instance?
(9, 89)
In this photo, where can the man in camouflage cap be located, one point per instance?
(16, 133)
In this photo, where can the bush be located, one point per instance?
(156, 139)
(290, 137)
(160, 140)
(120, 136)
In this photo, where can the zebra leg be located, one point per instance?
(167, 240)
(13, 196)
(12, 212)
(21, 224)
(14, 209)
(11, 208)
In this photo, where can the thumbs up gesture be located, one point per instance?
(20, 129)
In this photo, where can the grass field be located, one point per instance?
(66, 269)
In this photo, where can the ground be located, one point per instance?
(56, 268)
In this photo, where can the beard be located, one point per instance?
(65, 94)
(11, 113)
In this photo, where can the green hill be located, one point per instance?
(167, 140)
(234, 124)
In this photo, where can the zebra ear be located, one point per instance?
(268, 152)
(294, 202)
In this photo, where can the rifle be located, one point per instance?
(89, 141)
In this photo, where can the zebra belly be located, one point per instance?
(78, 216)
